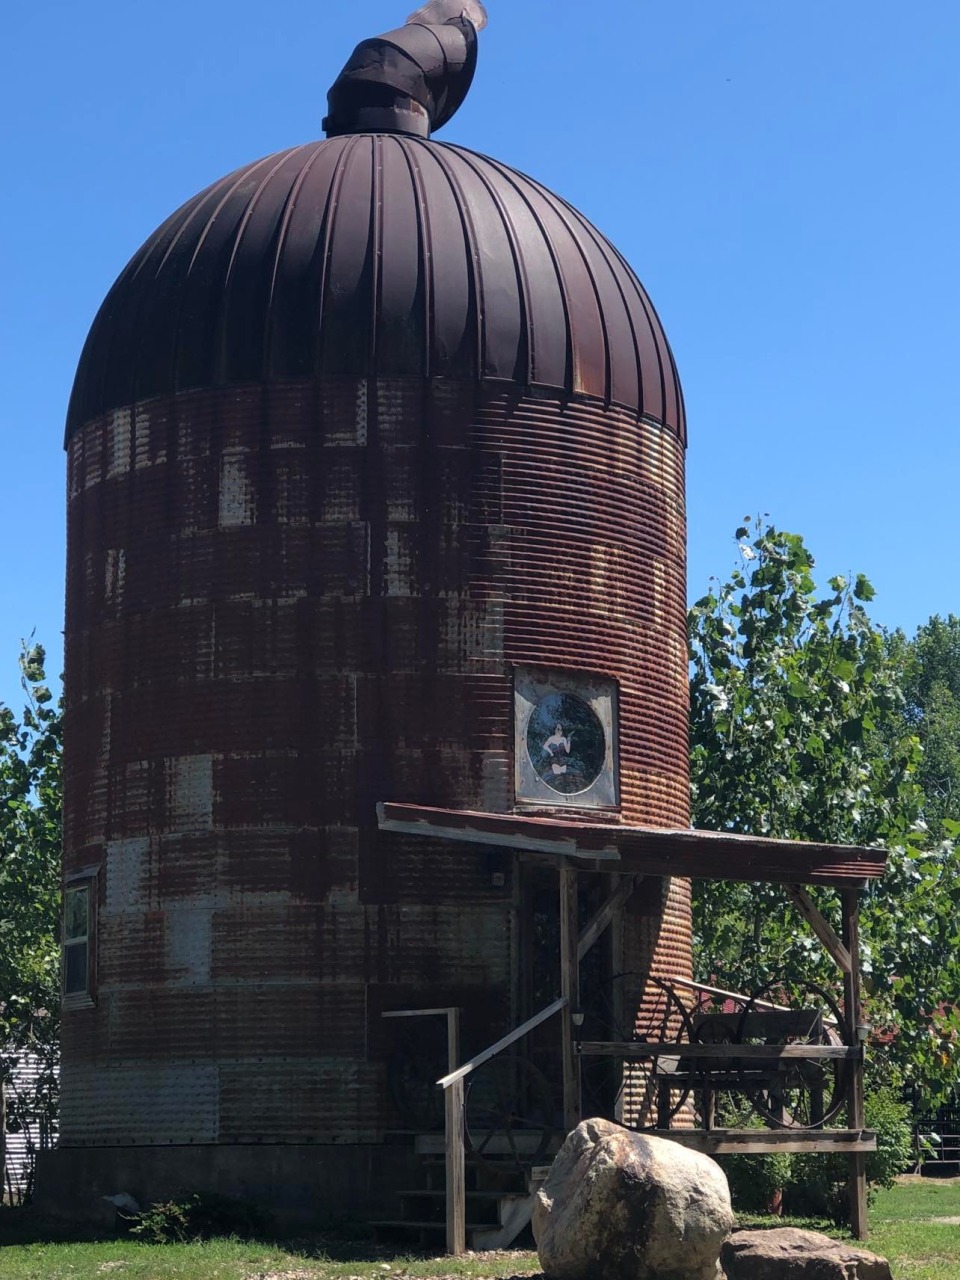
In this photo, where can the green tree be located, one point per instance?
(30, 828)
(799, 729)
(932, 687)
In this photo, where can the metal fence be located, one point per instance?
(29, 1126)
(937, 1142)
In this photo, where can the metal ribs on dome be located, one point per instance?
(383, 256)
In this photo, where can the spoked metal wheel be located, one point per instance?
(717, 1081)
(414, 1067)
(663, 1019)
(509, 1113)
(793, 1093)
(610, 1015)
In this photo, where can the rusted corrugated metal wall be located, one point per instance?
(361, 428)
(284, 606)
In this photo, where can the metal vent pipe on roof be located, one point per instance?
(411, 80)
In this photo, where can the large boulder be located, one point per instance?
(789, 1254)
(618, 1205)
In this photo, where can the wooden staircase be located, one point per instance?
(498, 1200)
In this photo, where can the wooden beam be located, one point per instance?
(716, 1052)
(454, 1144)
(455, 1161)
(605, 915)
(758, 1142)
(453, 1038)
(570, 992)
(820, 926)
(492, 829)
(415, 1013)
(685, 852)
(549, 861)
(853, 1012)
(743, 1141)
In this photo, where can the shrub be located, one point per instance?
(893, 1121)
(818, 1183)
(199, 1217)
(756, 1180)
(814, 1185)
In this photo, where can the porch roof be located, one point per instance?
(688, 853)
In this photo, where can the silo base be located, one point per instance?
(310, 1185)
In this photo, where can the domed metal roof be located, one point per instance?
(378, 255)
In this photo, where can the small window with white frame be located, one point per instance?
(79, 913)
(565, 739)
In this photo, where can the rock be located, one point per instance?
(123, 1202)
(619, 1205)
(788, 1254)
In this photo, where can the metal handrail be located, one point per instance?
(511, 1038)
(452, 1015)
(454, 1110)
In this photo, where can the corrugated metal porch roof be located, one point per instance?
(692, 854)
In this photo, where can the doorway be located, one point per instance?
(538, 982)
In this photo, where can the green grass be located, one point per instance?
(902, 1228)
(230, 1260)
(919, 1250)
(918, 1198)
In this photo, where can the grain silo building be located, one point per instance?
(376, 498)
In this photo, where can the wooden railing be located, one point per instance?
(455, 1124)
(738, 996)
(452, 1016)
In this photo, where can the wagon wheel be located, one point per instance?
(509, 1108)
(413, 1069)
(794, 1093)
(608, 1017)
(665, 1019)
(716, 1021)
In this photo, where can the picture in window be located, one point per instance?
(565, 738)
(566, 743)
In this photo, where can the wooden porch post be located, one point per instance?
(569, 988)
(455, 1169)
(453, 1039)
(853, 1012)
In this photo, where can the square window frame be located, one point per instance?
(602, 695)
(87, 879)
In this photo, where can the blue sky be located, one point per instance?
(782, 176)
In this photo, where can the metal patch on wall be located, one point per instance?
(565, 739)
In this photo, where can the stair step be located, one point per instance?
(406, 1224)
(434, 1225)
(499, 1196)
(497, 1144)
(470, 1195)
(500, 1178)
(487, 1209)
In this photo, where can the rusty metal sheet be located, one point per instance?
(324, 1099)
(139, 1102)
(468, 269)
(687, 853)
